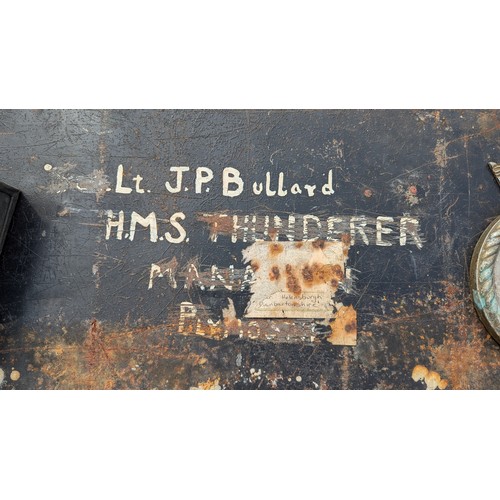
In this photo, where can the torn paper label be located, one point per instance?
(295, 279)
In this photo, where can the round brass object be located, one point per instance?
(485, 278)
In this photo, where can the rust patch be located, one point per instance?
(344, 371)
(307, 274)
(299, 228)
(209, 385)
(125, 359)
(217, 223)
(86, 366)
(318, 244)
(462, 362)
(275, 249)
(322, 273)
(463, 357)
(344, 327)
(489, 124)
(346, 239)
(275, 273)
(273, 234)
(337, 271)
(96, 352)
(231, 323)
(292, 284)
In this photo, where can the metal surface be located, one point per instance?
(87, 303)
(485, 278)
(495, 168)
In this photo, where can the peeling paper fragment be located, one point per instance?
(344, 327)
(295, 279)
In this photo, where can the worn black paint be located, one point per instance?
(47, 282)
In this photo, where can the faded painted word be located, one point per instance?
(381, 230)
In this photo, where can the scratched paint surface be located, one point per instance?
(164, 305)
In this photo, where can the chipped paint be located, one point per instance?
(209, 385)
(462, 357)
(361, 229)
(231, 323)
(440, 153)
(194, 320)
(431, 378)
(114, 360)
(462, 361)
(164, 268)
(62, 179)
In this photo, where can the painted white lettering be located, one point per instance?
(281, 191)
(119, 180)
(182, 232)
(242, 229)
(110, 223)
(310, 189)
(187, 314)
(149, 221)
(327, 188)
(214, 232)
(231, 176)
(278, 223)
(155, 272)
(357, 224)
(331, 231)
(409, 225)
(269, 191)
(178, 180)
(306, 220)
(383, 230)
(248, 277)
(257, 188)
(138, 180)
(290, 234)
(203, 175)
(217, 276)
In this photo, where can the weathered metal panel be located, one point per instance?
(95, 292)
